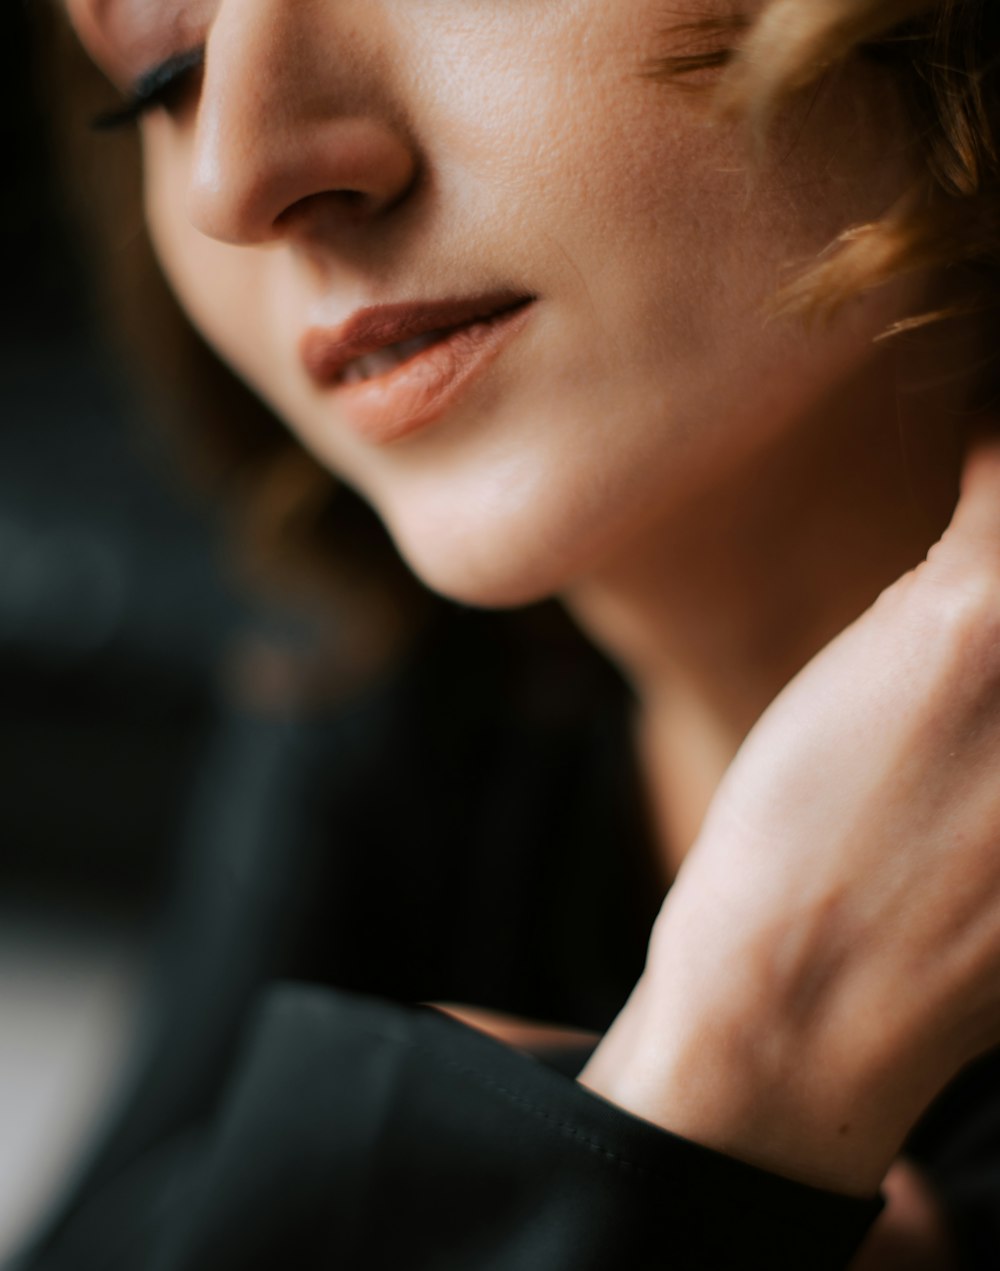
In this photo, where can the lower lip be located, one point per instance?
(419, 391)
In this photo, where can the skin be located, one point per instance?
(715, 496)
(847, 874)
(481, 163)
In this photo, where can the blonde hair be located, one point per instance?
(944, 57)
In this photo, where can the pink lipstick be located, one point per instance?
(395, 369)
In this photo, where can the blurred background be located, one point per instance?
(202, 790)
(112, 622)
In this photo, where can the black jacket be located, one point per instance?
(470, 832)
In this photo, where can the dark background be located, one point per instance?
(114, 624)
(113, 617)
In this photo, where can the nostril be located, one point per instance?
(316, 211)
(324, 211)
(355, 200)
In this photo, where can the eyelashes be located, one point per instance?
(160, 86)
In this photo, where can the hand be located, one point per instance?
(829, 956)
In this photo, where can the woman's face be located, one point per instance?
(339, 156)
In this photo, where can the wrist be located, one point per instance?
(816, 1089)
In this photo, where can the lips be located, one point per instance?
(327, 354)
(395, 368)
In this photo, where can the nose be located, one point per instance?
(294, 124)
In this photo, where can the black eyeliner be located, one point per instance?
(150, 90)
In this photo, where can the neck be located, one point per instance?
(724, 600)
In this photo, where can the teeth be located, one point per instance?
(384, 360)
(410, 348)
(372, 364)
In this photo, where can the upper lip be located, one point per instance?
(326, 351)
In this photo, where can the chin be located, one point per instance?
(486, 580)
(486, 561)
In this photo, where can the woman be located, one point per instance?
(516, 278)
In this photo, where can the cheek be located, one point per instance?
(654, 377)
(219, 287)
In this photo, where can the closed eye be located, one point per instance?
(160, 86)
